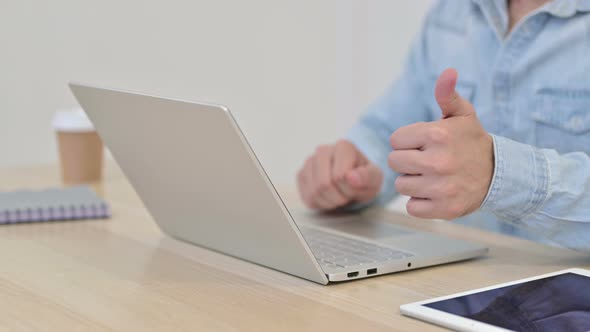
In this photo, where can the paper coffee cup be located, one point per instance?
(80, 147)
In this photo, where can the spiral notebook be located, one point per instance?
(71, 203)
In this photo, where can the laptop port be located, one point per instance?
(409, 264)
(353, 274)
(371, 271)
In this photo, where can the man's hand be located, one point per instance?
(447, 165)
(337, 175)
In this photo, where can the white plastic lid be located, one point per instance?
(72, 120)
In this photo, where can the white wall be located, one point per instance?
(295, 73)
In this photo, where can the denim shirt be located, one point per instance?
(531, 91)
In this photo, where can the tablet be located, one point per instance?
(558, 301)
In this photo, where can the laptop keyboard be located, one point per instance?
(339, 252)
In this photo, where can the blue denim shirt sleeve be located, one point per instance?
(401, 105)
(542, 191)
(542, 179)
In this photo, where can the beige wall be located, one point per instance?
(295, 73)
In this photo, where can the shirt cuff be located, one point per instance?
(520, 183)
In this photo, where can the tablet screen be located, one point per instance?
(558, 303)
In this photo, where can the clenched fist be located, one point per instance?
(338, 175)
(447, 165)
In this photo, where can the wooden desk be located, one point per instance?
(123, 274)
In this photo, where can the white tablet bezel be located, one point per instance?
(444, 319)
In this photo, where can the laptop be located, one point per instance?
(201, 181)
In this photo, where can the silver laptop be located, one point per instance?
(201, 181)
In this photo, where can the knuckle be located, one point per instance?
(412, 209)
(315, 193)
(324, 186)
(443, 166)
(338, 176)
(394, 138)
(400, 185)
(343, 144)
(391, 159)
(315, 190)
(450, 190)
(322, 149)
(438, 134)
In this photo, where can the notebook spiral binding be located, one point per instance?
(72, 212)
(55, 204)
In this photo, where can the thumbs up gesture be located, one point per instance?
(446, 166)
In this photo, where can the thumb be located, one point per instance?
(366, 177)
(450, 102)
